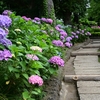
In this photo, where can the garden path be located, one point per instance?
(82, 74)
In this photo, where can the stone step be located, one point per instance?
(87, 72)
(89, 90)
(82, 78)
(87, 68)
(91, 46)
(86, 57)
(90, 96)
(87, 64)
(73, 54)
(88, 83)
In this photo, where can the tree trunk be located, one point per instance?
(48, 9)
(67, 17)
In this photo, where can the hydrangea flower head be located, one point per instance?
(76, 36)
(6, 12)
(2, 33)
(57, 61)
(62, 37)
(5, 54)
(63, 33)
(36, 48)
(44, 19)
(5, 21)
(88, 33)
(68, 44)
(26, 18)
(78, 32)
(68, 39)
(37, 22)
(49, 20)
(72, 36)
(73, 33)
(32, 57)
(6, 42)
(37, 19)
(58, 29)
(35, 79)
(58, 43)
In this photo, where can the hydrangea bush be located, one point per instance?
(31, 51)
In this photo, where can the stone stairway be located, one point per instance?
(87, 72)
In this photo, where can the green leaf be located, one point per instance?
(42, 57)
(25, 75)
(52, 70)
(25, 95)
(10, 68)
(34, 92)
(17, 75)
(37, 65)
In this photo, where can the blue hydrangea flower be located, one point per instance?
(5, 21)
(5, 54)
(5, 42)
(2, 33)
(6, 12)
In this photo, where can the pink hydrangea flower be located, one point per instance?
(57, 60)
(26, 18)
(49, 20)
(35, 79)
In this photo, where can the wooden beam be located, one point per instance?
(82, 78)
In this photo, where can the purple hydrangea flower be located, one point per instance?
(58, 43)
(62, 37)
(58, 29)
(57, 61)
(63, 33)
(5, 42)
(44, 19)
(78, 32)
(72, 36)
(68, 39)
(59, 26)
(82, 31)
(26, 18)
(73, 33)
(35, 79)
(1, 55)
(37, 19)
(76, 36)
(68, 44)
(6, 12)
(5, 55)
(88, 33)
(5, 21)
(2, 33)
(50, 21)
(37, 22)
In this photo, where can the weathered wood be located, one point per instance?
(82, 78)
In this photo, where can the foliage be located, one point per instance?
(93, 11)
(72, 8)
(34, 54)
